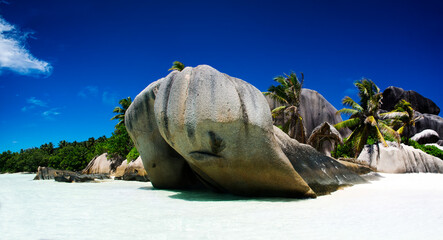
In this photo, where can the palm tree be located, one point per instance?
(403, 115)
(288, 93)
(322, 133)
(177, 66)
(365, 117)
(121, 111)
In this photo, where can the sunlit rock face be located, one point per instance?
(322, 173)
(165, 167)
(399, 159)
(205, 124)
(222, 126)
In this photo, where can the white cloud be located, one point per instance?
(36, 102)
(50, 113)
(15, 57)
(88, 91)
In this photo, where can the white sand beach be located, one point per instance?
(401, 206)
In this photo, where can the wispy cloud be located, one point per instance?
(109, 98)
(15, 57)
(40, 107)
(49, 114)
(36, 102)
(88, 91)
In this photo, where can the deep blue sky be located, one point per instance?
(71, 61)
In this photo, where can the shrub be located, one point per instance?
(431, 150)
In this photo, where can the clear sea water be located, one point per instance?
(403, 206)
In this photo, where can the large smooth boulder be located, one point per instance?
(315, 110)
(165, 167)
(428, 121)
(403, 159)
(135, 171)
(222, 126)
(322, 173)
(426, 136)
(100, 164)
(392, 95)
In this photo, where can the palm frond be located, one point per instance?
(352, 122)
(389, 132)
(177, 66)
(347, 111)
(347, 101)
(393, 115)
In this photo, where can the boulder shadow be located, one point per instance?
(150, 188)
(209, 196)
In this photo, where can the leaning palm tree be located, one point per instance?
(121, 111)
(365, 117)
(322, 133)
(177, 66)
(288, 93)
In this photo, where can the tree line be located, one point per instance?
(368, 124)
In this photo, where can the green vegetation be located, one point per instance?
(177, 66)
(366, 120)
(288, 93)
(431, 150)
(73, 156)
(121, 110)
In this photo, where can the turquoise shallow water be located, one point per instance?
(406, 206)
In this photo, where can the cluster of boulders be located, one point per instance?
(200, 127)
(315, 111)
(428, 130)
(99, 168)
(426, 111)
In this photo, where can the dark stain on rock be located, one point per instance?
(154, 165)
(216, 142)
(191, 131)
(165, 107)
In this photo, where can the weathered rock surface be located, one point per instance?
(323, 174)
(47, 173)
(165, 167)
(428, 121)
(135, 171)
(100, 164)
(323, 133)
(222, 126)
(200, 124)
(76, 177)
(119, 169)
(392, 95)
(426, 136)
(315, 110)
(404, 159)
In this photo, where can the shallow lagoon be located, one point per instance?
(403, 206)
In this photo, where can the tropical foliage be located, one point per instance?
(177, 66)
(75, 155)
(365, 117)
(288, 93)
(121, 111)
(403, 117)
(431, 150)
